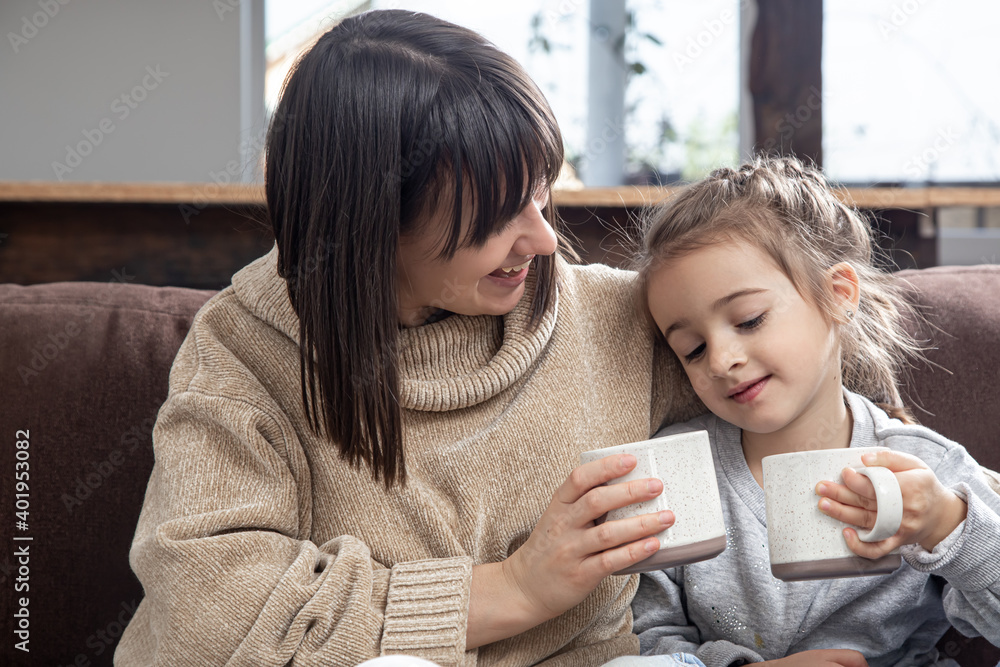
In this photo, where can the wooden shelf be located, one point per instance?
(130, 193)
(620, 197)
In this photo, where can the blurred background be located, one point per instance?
(132, 132)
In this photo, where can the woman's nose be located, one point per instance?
(536, 234)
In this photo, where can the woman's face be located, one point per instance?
(488, 280)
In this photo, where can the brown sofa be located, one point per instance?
(85, 369)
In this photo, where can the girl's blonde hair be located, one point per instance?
(790, 212)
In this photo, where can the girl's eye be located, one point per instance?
(753, 323)
(694, 354)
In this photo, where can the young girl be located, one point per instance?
(762, 283)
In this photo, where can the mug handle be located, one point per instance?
(889, 500)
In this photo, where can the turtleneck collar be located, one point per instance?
(451, 364)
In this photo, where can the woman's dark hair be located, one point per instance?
(389, 113)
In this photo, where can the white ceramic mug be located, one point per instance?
(806, 544)
(683, 462)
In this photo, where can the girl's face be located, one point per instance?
(758, 354)
(487, 280)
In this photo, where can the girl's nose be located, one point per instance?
(537, 236)
(725, 358)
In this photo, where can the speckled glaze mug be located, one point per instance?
(806, 544)
(683, 462)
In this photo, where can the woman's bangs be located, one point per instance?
(523, 147)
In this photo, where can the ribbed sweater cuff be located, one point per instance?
(969, 563)
(723, 654)
(427, 609)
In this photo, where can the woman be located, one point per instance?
(367, 437)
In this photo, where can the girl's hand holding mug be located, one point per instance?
(930, 511)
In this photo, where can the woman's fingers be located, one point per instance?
(603, 499)
(612, 534)
(595, 473)
(850, 505)
(859, 484)
(609, 561)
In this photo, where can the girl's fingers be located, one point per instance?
(613, 534)
(894, 461)
(869, 549)
(860, 485)
(844, 495)
(856, 516)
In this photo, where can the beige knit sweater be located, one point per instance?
(257, 545)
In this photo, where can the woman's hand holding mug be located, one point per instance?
(567, 554)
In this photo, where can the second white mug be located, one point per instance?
(805, 543)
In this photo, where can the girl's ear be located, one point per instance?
(843, 282)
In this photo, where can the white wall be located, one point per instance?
(131, 90)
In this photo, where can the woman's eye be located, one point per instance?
(752, 323)
(694, 354)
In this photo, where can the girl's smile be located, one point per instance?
(747, 391)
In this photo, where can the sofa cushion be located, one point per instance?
(85, 371)
(956, 395)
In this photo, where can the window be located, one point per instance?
(909, 91)
(681, 99)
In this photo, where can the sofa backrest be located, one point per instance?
(85, 369)
(958, 397)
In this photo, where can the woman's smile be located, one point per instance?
(511, 276)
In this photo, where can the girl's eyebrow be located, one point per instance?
(736, 295)
(719, 303)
